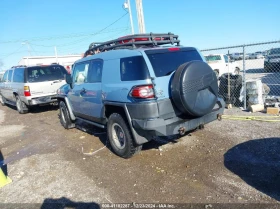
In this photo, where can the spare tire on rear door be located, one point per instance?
(194, 88)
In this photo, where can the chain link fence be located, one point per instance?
(248, 74)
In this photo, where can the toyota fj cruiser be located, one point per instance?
(139, 89)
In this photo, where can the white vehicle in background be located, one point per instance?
(256, 55)
(238, 56)
(24, 87)
(221, 64)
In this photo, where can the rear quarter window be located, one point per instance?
(133, 68)
(18, 75)
(164, 63)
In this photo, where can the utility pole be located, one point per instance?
(140, 16)
(26, 43)
(126, 5)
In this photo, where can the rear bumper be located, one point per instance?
(172, 126)
(40, 100)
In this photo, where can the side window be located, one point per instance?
(80, 72)
(133, 68)
(95, 71)
(18, 75)
(5, 77)
(10, 76)
(226, 58)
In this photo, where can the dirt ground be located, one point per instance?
(229, 161)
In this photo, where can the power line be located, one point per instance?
(77, 41)
(96, 32)
(16, 51)
(103, 39)
(66, 36)
(108, 31)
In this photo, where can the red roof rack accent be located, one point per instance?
(134, 41)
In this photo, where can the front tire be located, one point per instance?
(64, 116)
(120, 137)
(21, 106)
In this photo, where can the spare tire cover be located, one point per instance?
(194, 88)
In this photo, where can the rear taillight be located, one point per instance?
(174, 49)
(27, 91)
(143, 92)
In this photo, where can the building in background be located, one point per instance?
(66, 60)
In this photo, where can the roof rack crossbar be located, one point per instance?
(134, 41)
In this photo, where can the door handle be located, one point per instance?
(83, 90)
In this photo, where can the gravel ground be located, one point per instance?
(229, 161)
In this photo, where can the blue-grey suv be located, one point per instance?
(139, 88)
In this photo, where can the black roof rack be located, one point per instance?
(19, 66)
(134, 41)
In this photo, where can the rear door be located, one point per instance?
(18, 82)
(76, 94)
(45, 80)
(9, 88)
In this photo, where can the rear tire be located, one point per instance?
(2, 100)
(236, 71)
(64, 116)
(21, 106)
(120, 137)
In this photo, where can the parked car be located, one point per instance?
(139, 91)
(24, 87)
(256, 56)
(272, 60)
(238, 56)
(221, 64)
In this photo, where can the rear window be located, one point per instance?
(45, 73)
(166, 63)
(133, 68)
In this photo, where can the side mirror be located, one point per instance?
(69, 79)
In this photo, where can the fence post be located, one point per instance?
(244, 78)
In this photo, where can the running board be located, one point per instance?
(10, 103)
(91, 122)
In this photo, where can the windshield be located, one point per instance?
(45, 73)
(274, 51)
(165, 63)
(211, 58)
